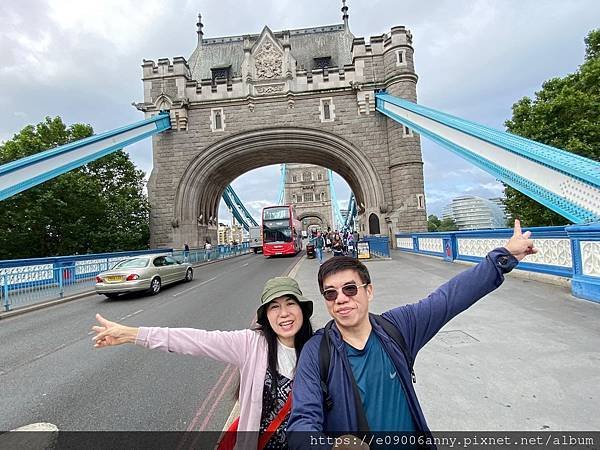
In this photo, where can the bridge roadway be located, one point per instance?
(525, 358)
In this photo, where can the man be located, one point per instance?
(363, 355)
(319, 245)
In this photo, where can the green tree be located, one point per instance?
(96, 208)
(447, 224)
(433, 223)
(565, 114)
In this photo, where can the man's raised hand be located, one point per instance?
(520, 245)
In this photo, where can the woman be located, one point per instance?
(337, 245)
(266, 356)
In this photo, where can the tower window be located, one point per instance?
(320, 176)
(400, 58)
(309, 197)
(322, 63)
(420, 201)
(327, 110)
(220, 72)
(406, 132)
(217, 119)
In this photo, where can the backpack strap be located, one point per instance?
(394, 333)
(324, 361)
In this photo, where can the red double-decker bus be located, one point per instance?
(282, 232)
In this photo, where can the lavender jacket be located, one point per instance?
(246, 349)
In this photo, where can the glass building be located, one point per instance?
(474, 213)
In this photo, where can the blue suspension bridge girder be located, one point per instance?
(242, 209)
(281, 195)
(238, 209)
(25, 173)
(351, 216)
(337, 215)
(568, 184)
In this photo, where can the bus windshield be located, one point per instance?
(277, 231)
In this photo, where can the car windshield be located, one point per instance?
(136, 263)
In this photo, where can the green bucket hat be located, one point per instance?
(278, 287)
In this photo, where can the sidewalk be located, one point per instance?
(527, 357)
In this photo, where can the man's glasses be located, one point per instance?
(349, 290)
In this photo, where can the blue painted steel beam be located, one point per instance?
(231, 205)
(22, 174)
(240, 207)
(564, 182)
(337, 215)
(281, 195)
(351, 216)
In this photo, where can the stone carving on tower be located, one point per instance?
(268, 60)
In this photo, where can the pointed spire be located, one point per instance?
(345, 13)
(199, 30)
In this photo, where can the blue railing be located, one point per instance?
(571, 252)
(379, 246)
(25, 282)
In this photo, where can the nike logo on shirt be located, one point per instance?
(392, 375)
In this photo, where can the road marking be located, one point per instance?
(130, 315)
(194, 287)
(212, 392)
(244, 265)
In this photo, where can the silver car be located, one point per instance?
(142, 273)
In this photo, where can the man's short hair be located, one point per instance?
(341, 263)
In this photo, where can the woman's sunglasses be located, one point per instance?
(349, 290)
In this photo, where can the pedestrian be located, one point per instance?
(327, 237)
(265, 356)
(351, 246)
(319, 246)
(208, 249)
(186, 252)
(367, 351)
(337, 246)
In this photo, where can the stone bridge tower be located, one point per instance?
(307, 188)
(293, 96)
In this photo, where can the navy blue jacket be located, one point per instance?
(418, 323)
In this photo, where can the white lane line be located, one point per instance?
(194, 287)
(244, 265)
(129, 315)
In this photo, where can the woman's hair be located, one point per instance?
(304, 334)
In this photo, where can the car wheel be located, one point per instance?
(112, 295)
(189, 275)
(155, 286)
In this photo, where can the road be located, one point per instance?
(50, 372)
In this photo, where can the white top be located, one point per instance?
(286, 360)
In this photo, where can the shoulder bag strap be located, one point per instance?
(275, 423)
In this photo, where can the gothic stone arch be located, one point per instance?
(318, 219)
(200, 186)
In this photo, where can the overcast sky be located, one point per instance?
(80, 60)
